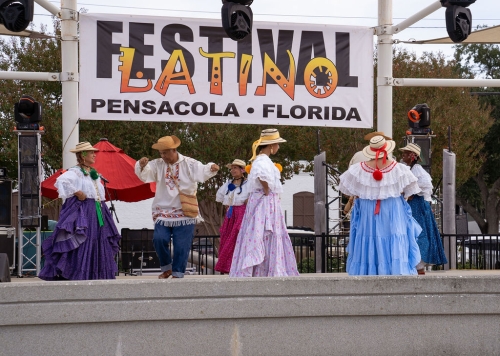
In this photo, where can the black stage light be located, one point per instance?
(419, 119)
(16, 15)
(458, 19)
(27, 113)
(237, 18)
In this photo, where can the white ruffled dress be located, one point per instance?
(382, 239)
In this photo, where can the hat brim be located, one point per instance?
(270, 142)
(84, 150)
(162, 146)
(229, 165)
(406, 149)
(370, 135)
(391, 145)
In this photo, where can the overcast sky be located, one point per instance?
(337, 12)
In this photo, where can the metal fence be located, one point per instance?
(474, 251)
(471, 252)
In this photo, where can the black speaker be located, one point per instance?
(4, 268)
(5, 203)
(137, 243)
(7, 242)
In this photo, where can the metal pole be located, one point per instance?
(432, 82)
(449, 225)
(384, 67)
(69, 79)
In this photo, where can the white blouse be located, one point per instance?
(235, 197)
(396, 179)
(73, 180)
(166, 203)
(264, 169)
(424, 181)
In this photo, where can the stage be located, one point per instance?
(442, 313)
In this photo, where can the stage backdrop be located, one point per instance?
(177, 69)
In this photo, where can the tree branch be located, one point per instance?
(473, 212)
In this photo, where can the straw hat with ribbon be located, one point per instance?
(414, 148)
(379, 147)
(267, 137)
(167, 143)
(236, 162)
(369, 136)
(82, 147)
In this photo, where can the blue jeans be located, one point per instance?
(182, 237)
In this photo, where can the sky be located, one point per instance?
(334, 12)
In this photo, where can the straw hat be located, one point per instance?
(237, 162)
(83, 146)
(378, 143)
(270, 136)
(412, 147)
(167, 143)
(369, 136)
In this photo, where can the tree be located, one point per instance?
(480, 195)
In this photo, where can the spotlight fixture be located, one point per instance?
(27, 113)
(16, 15)
(458, 19)
(237, 18)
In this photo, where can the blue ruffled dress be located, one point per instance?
(429, 241)
(382, 240)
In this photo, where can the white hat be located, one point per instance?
(380, 144)
(412, 147)
(236, 162)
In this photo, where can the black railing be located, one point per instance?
(471, 252)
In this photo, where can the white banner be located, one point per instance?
(147, 68)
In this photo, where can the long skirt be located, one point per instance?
(383, 243)
(228, 234)
(429, 241)
(263, 247)
(79, 249)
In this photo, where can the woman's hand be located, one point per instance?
(265, 186)
(80, 195)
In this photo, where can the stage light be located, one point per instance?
(419, 119)
(458, 19)
(16, 15)
(237, 18)
(27, 113)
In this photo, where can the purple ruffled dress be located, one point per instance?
(80, 249)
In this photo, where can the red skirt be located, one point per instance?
(228, 234)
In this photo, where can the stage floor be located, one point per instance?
(432, 274)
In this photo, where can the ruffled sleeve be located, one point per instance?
(264, 169)
(396, 179)
(424, 181)
(68, 183)
(219, 197)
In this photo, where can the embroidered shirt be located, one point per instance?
(188, 172)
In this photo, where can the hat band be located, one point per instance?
(270, 137)
(379, 151)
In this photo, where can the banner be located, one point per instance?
(147, 68)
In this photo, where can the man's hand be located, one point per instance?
(214, 168)
(143, 162)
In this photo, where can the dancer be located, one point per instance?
(382, 239)
(174, 174)
(263, 247)
(85, 240)
(233, 194)
(429, 241)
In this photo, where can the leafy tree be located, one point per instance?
(480, 195)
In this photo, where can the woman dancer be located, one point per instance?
(234, 195)
(263, 247)
(383, 231)
(429, 241)
(85, 240)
